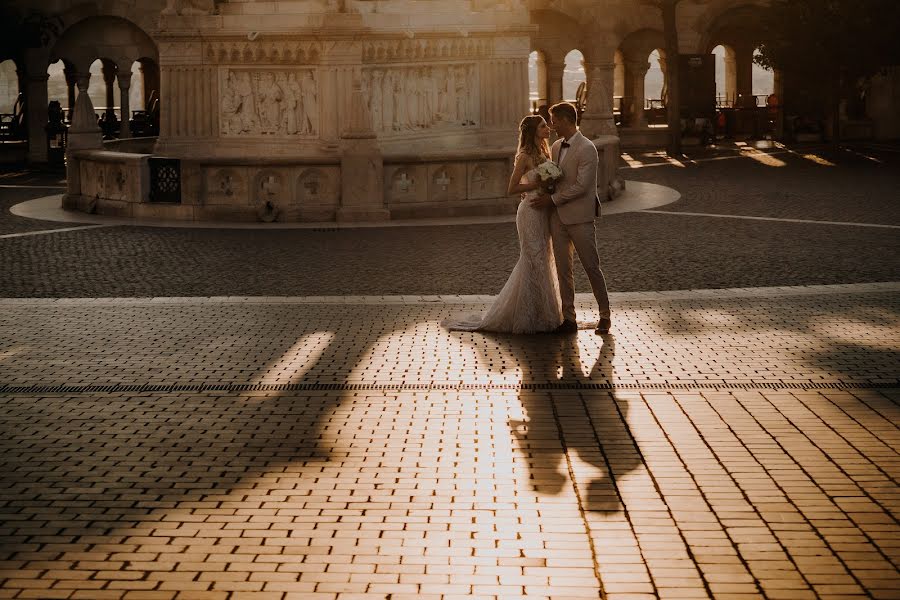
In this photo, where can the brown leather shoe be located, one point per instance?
(567, 327)
(603, 326)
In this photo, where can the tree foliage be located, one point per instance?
(816, 39)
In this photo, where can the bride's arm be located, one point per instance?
(523, 163)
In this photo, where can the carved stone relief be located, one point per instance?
(317, 186)
(380, 51)
(447, 182)
(274, 52)
(486, 180)
(268, 191)
(403, 99)
(268, 102)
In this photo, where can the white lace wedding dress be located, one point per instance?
(529, 301)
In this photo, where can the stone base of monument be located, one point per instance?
(359, 185)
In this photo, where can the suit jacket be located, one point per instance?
(576, 197)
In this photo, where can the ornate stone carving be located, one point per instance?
(403, 99)
(381, 51)
(315, 186)
(403, 182)
(269, 103)
(267, 194)
(189, 7)
(273, 52)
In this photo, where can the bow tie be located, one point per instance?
(565, 145)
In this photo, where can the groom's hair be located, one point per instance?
(565, 110)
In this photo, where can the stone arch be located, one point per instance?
(109, 37)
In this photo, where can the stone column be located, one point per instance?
(730, 77)
(637, 73)
(541, 80)
(598, 114)
(36, 100)
(124, 78)
(109, 78)
(71, 77)
(555, 72)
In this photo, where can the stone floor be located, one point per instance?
(251, 439)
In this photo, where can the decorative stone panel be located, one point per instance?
(318, 186)
(226, 185)
(269, 103)
(487, 179)
(405, 183)
(446, 182)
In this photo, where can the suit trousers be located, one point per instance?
(568, 239)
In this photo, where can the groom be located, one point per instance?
(572, 222)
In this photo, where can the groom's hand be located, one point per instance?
(542, 201)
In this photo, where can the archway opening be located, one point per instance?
(726, 76)
(57, 90)
(9, 86)
(573, 75)
(655, 89)
(105, 96)
(763, 81)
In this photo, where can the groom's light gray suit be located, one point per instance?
(572, 221)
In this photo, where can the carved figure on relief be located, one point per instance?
(310, 121)
(377, 99)
(268, 97)
(246, 103)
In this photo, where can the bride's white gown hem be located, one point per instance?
(529, 301)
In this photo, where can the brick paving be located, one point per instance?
(299, 425)
(720, 444)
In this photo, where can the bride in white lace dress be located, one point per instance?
(529, 301)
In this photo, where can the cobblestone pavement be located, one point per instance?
(640, 251)
(726, 444)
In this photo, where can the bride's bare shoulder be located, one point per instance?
(524, 159)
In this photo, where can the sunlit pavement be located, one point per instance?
(223, 414)
(737, 443)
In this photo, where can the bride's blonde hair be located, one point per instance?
(527, 139)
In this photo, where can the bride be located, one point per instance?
(529, 301)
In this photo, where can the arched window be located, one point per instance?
(573, 76)
(56, 85)
(654, 81)
(136, 91)
(726, 76)
(763, 81)
(9, 86)
(97, 90)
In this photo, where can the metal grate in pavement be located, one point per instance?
(109, 388)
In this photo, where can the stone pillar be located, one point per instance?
(36, 100)
(636, 75)
(730, 76)
(555, 82)
(542, 80)
(598, 114)
(362, 168)
(71, 77)
(109, 78)
(124, 78)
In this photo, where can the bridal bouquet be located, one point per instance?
(549, 173)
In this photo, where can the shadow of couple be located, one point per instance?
(574, 432)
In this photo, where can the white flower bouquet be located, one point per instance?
(549, 173)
